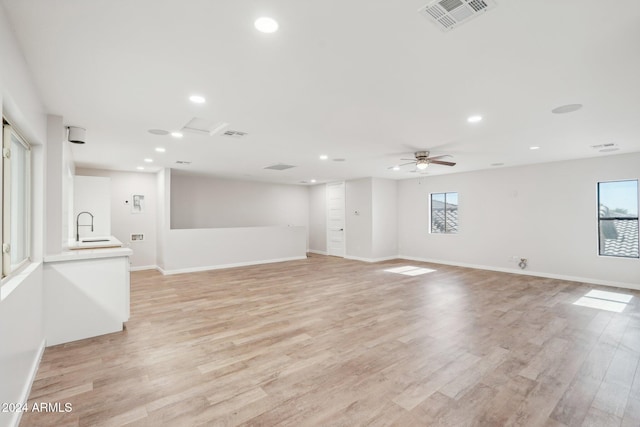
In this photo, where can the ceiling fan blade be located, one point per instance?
(411, 160)
(404, 164)
(440, 162)
(439, 157)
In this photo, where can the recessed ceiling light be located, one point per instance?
(140, 168)
(148, 160)
(266, 25)
(161, 149)
(474, 119)
(569, 108)
(396, 168)
(534, 148)
(197, 99)
(313, 181)
(176, 134)
(323, 157)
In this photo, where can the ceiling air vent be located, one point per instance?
(606, 148)
(204, 126)
(234, 133)
(449, 14)
(279, 167)
(183, 162)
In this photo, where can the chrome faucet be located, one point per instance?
(78, 225)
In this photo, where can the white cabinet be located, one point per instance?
(86, 294)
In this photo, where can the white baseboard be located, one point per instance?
(357, 258)
(31, 378)
(144, 267)
(528, 273)
(221, 266)
(313, 251)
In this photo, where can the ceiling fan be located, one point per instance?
(422, 160)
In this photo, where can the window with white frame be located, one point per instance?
(618, 218)
(444, 213)
(16, 207)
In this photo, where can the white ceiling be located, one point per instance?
(369, 81)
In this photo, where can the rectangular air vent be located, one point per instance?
(234, 133)
(204, 126)
(279, 167)
(449, 14)
(606, 148)
(183, 162)
(601, 146)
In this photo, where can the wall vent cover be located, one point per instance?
(279, 167)
(449, 14)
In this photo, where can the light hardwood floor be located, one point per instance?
(332, 342)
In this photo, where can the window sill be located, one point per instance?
(11, 282)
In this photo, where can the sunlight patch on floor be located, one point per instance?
(410, 270)
(603, 300)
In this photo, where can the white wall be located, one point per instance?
(211, 248)
(163, 214)
(55, 240)
(91, 194)
(21, 340)
(318, 218)
(20, 98)
(199, 201)
(68, 173)
(21, 323)
(384, 226)
(59, 224)
(123, 222)
(183, 250)
(546, 213)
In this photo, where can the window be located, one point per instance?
(16, 216)
(618, 218)
(444, 213)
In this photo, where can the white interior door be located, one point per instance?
(335, 219)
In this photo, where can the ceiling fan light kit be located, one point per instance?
(422, 161)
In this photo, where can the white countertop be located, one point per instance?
(110, 248)
(94, 242)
